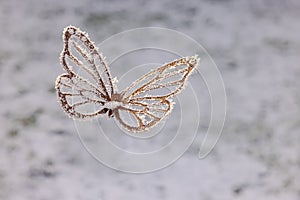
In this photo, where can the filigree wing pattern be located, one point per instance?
(87, 84)
(141, 116)
(80, 52)
(87, 90)
(79, 98)
(171, 76)
(149, 99)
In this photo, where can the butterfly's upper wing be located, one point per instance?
(87, 82)
(148, 100)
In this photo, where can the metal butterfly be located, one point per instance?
(147, 101)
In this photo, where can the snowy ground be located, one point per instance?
(256, 45)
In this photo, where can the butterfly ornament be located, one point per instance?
(92, 92)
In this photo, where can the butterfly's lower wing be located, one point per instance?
(78, 97)
(149, 99)
(138, 116)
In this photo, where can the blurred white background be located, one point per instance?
(256, 46)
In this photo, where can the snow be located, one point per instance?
(256, 46)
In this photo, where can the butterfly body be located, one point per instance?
(92, 92)
(112, 105)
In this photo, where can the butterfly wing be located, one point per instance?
(148, 100)
(87, 82)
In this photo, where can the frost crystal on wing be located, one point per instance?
(114, 82)
(113, 104)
